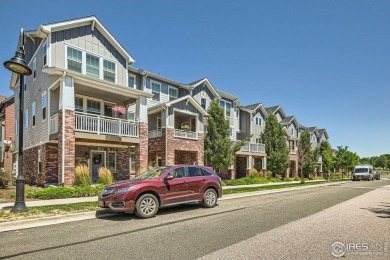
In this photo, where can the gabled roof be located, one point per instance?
(275, 109)
(45, 29)
(227, 95)
(207, 83)
(252, 108)
(188, 98)
(323, 131)
(287, 120)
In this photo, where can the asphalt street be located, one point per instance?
(190, 231)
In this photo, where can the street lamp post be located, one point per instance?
(19, 66)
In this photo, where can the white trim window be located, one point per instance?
(292, 131)
(203, 103)
(131, 81)
(33, 112)
(44, 106)
(132, 161)
(79, 104)
(34, 68)
(173, 93)
(44, 54)
(156, 88)
(26, 118)
(131, 116)
(111, 161)
(74, 59)
(92, 65)
(39, 161)
(109, 71)
(159, 123)
(258, 121)
(226, 105)
(93, 107)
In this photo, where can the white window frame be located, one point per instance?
(34, 113)
(82, 58)
(205, 103)
(99, 68)
(159, 118)
(151, 88)
(44, 54)
(44, 97)
(224, 107)
(134, 78)
(169, 92)
(26, 119)
(115, 161)
(115, 68)
(39, 159)
(34, 68)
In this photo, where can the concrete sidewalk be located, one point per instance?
(37, 203)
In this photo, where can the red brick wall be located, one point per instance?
(50, 162)
(69, 145)
(141, 150)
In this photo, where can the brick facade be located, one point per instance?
(141, 150)
(69, 147)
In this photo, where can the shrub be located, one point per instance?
(253, 173)
(235, 182)
(273, 179)
(296, 178)
(223, 183)
(5, 178)
(82, 176)
(88, 191)
(54, 193)
(288, 179)
(105, 176)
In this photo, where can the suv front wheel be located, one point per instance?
(209, 198)
(146, 206)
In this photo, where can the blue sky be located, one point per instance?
(326, 62)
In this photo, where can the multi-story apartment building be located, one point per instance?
(7, 132)
(85, 103)
(74, 103)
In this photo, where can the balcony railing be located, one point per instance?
(253, 148)
(185, 134)
(154, 134)
(97, 124)
(54, 124)
(293, 150)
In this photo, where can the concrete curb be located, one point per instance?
(53, 220)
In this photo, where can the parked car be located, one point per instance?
(163, 186)
(363, 172)
(377, 175)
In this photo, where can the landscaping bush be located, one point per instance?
(5, 178)
(273, 179)
(223, 183)
(105, 176)
(253, 173)
(235, 182)
(318, 178)
(288, 179)
(82, 176)
(296, 178)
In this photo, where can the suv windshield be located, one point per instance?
(152, 174)
(361, 170)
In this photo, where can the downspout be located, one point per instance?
(63, 135)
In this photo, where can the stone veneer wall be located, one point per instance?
(69, 145)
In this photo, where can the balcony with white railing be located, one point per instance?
(101, 125)
(253, 148)
(97, 124)
(185, 134)
(154, 133)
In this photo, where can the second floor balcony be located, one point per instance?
(100, 125)
(251, 147)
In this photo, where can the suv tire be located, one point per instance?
(146, 206)
(209, 198)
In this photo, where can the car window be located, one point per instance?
(206, 173)
(194, 172)
(177, 173)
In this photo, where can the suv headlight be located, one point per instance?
(123, 190)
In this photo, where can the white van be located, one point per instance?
(363, 172)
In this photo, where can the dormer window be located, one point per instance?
(156, 87)
(258, 121)
(173, 93)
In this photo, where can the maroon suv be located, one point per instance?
(163, 186)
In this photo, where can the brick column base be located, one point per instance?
(66, 159)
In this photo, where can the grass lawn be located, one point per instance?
(45, 211)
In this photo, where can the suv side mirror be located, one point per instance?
(168, 178)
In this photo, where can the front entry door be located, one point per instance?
(98, 160)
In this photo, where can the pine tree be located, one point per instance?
(275, 146)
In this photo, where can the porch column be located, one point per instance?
(142, 151)
(66, 132)
(249, 162)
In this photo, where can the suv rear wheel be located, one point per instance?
(209, 198)
(146, 206)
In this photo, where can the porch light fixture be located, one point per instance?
(19, 66)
